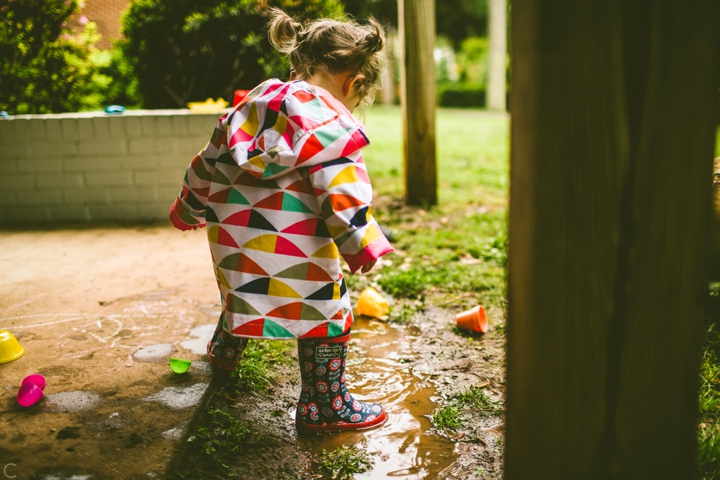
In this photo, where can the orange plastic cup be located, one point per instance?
(473, 319)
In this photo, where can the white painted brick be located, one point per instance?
(145, 146)
(35, 165)
(108, 179)
(8, 165)
(133, 126)
(139, 162)
(180, 162)
(149, 125)
(107, 146)
(189, 146)
(23, 129)
(26, 215)
(66, 214)
(71, 129)
(59, 180)
(87, 196)
(54, 129)
(40, 197)
(202, 124)
(7, 199)
(180, 125)
(157, 177)
(167, 195)
(113, 212)
(85, 129)
(7, 131)
(164, 126)
(20, 149)
(117, 127)
(102, 128)
(153, 212)
(16, 182)
(133, 195)
(93, 164)
(60, 149)
(38, 130)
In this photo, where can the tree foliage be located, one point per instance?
(184, 50)
(44, 66)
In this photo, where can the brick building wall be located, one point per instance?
(90, 167)
(107, 14)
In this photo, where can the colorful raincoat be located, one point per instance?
(284, 192)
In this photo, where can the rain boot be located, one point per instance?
(224, 350)
(325, 403)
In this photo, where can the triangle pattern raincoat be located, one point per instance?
(284, 193)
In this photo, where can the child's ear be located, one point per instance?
(353, 81)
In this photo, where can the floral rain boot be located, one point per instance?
(224, 350)
(325, 403)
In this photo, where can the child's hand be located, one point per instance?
(368, 266)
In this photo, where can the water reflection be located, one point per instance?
(378, 370)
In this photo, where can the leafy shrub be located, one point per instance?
(462, 95)
(44, 68)
(184, 50)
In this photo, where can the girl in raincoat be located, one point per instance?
(284, 194)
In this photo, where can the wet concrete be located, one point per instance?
(99, 312)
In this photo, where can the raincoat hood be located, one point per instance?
(281, 126)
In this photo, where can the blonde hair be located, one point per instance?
(332, 47)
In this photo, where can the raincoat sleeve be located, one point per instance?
(344, 194)
(188, 210)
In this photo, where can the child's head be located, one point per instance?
(332, 47)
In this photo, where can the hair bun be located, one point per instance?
(283, 30)
(374, 40)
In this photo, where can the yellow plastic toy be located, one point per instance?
(208, 106)
(372, 304)
(10, 349)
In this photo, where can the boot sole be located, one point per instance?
(376, 422)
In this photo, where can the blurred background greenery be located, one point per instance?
(54, 58)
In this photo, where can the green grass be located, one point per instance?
(220, 437)
(345, 461)
(453, 415)
(256, 369)
(709, 398)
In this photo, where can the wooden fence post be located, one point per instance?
(614, 110)
(417, 85)
(497, 55)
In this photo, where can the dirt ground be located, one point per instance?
(59, 290)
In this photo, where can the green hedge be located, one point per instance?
(461, 95)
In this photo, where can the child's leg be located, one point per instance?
(224, 350)
(325, 403)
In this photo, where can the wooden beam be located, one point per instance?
(614, 110)
(417, 84)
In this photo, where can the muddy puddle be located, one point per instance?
(380, 369)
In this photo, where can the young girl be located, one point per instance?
(284, 193)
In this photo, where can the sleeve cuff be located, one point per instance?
(373, 251)
(175, 211)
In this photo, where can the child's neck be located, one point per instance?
(334, 85)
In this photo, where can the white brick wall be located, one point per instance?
(96, 167)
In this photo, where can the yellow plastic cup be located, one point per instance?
(179, 365)
(372, 304)
(10, 349)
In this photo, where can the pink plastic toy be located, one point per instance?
(31, 390)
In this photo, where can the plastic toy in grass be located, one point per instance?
(372, 304)
(10, 349)
(31, 390)
(179, 365)
(474, 319)
(208, 106)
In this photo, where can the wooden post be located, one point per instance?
(417, 84)
(614, 110)
(389, 79)
(497, 55)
